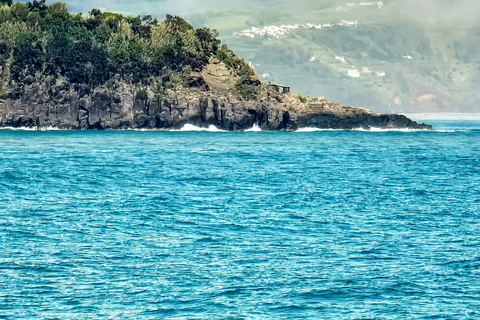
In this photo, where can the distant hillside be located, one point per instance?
(400, 56)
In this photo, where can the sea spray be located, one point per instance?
(255, 128)
(192, 128)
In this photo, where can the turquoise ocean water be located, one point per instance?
(202, 225)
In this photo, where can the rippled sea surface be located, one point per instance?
(199, 225)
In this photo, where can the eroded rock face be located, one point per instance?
(218, 77)
(122, 107)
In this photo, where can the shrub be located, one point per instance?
(249, 92)
(3, 93)
(142, 95)
(302, 99)
(105, 96)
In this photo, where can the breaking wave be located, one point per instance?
(49, 128)
(255, 128)
(19, 128)
(192, 128)
(312, 129)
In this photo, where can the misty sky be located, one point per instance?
(154, 7)
(430, 10)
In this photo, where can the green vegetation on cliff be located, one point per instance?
(45, 43)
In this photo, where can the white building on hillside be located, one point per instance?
(354, 73)
(366, 70)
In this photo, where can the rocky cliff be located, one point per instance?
(124, 106)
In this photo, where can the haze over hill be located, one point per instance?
(391, 55)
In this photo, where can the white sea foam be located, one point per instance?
(312, 129)
(49, 128)
(192, 128)
(255, 128)
(143, 130)
(19, 128)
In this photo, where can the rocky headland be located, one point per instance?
(107, 71)
(210, 99)
(129, 110)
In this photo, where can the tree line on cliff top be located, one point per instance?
(39, 41)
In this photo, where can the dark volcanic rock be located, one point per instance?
(122, 107)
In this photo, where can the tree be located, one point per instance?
(95, 13)
(38, 5)
(47, 40)
(58, 9)
(7, 2)
(34, 19)
(209, 43)
(29, 56)
(11, 30)
(180, 44)
(20, 11)
(5, 14)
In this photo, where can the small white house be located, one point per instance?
(354, 73)
(366, 70)
(346, 23)
(380, 73)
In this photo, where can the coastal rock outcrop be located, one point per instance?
(124, 106)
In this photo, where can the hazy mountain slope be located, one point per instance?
(429, 65)
(428, 51)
